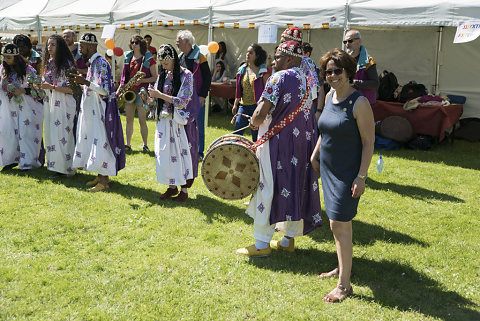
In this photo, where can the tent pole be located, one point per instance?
(346, 24)
(210, 38)
(438, 61)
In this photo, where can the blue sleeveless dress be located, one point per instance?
(340, 157)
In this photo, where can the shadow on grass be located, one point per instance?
(211, 207)
(412, 191)
(394, 285)
(365, 234)
(459, 153)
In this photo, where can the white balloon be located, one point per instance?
(110, 52)
(203, 49)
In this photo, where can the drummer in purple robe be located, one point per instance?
(287, 198)
(100, 146)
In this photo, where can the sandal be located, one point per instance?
(338, 294)
(327, 275)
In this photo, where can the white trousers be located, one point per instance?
(264, 233)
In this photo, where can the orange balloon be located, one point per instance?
(110, 44)
(213, 46)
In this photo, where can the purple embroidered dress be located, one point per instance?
(288, 188)
(100, 146)
(21, 124)
(173, 151)
(59, 116)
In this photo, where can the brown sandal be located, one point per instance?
(344, 293)
(327, 275)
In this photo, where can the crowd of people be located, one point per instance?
(64, 108)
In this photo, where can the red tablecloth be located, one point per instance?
(224, 90)
(426, 120)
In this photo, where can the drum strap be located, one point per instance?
(282, 123)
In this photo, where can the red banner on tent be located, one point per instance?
(182, 22)
(170, 23)
(325, 26)
(86, 27)
(141, 24)
(236, 25)
(251, 25)
(122, 26)
(97, 26)
(159, 23)
(289, 25)
(221, 24)
(195, 22)
(45, 28)
(306, 26)
(149, 24)
(132, 25)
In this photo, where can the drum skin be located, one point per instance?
(397, 128)
(230, 170)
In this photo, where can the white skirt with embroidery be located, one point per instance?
(92, 151)
(172, 153)
(59, 136)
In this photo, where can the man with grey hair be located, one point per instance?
(366, 78)
(191, 58)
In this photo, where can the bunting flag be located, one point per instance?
(221, 24)
(289, 25)
(182, 22)
(149, 23)
(62, 27)
(53, 28)
(86, 27)
(195, 22)
(97, 26)
(78, 27)
(170, 23)
(306, 26)
(140, 24)
(122, 26)
(325, 26)
(45, 28)
(132, 25)
(159, 23)
(236, 25)
(251, 25)
(70, 27)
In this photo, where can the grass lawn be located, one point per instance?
(66, 254)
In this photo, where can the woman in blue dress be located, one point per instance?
(342, 156)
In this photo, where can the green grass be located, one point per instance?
(66, 254)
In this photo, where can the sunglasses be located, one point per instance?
(136, 42)
(337, 72)
(349, 40)
(276, 57)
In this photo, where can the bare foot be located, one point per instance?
(338, 294)
(327, 275)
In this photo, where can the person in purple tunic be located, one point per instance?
(287, 198)
(100, 146)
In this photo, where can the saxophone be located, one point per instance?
(125, 95)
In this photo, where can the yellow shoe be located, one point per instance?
(290, 248)
(98, 188)
(94, 182)
(252, 251)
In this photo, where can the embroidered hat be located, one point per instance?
(89, 38)
(291, 48)
(10, 50)
(292, 33)
(166, 52)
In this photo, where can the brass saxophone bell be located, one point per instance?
(130, 97)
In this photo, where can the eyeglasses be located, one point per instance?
(337, 72)
(349, 40)
(136, 42)
(276, 57)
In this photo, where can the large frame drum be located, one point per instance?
(230, 170)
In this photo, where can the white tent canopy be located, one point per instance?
(412, 38)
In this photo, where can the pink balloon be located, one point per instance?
(118, 51)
